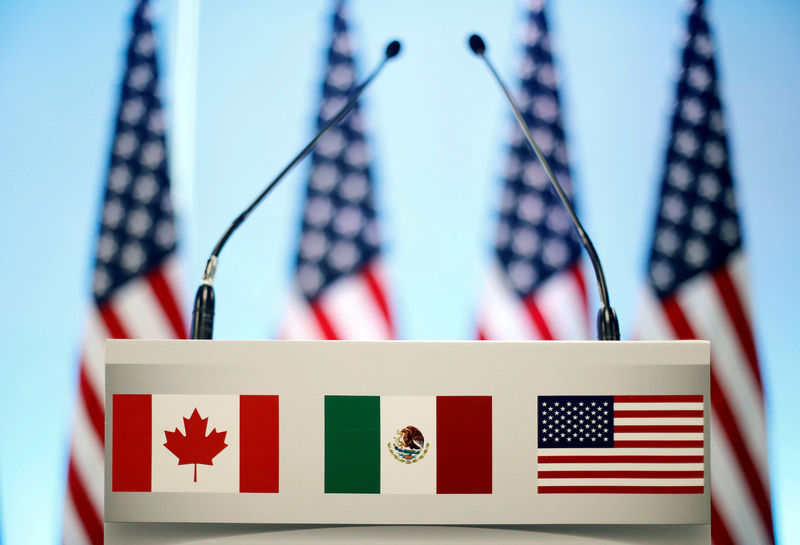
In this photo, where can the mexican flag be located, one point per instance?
(408, 444)
(194, 443)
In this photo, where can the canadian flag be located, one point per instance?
(194, 443)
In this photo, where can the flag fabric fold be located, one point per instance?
(697, 288)
(339, 290)
(135, 282)
(536, 287)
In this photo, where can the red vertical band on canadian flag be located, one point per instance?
(464, 445)
(131, 453)
(258, 452)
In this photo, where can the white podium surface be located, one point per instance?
(515, 379)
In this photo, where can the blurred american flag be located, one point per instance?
(697, 288)
(340, 287)
(135, 285)
(536, 287)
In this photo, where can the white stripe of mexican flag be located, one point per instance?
(399, 477)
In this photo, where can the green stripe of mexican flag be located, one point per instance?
(408, 444)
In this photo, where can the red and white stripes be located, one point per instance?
(146, 307)
(714, 307)
(556, 310)
(354, 307)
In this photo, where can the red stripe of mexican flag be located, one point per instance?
(408, 444)
(194, 443)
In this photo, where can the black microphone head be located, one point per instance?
(393, 49)
(477, 45)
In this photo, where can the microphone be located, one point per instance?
(203, 310)
(607, 324)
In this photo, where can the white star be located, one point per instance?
(729, 231)
(354, 187)
(546, 76)
(527, 68)
(522, 275)
(145, 188)
(692, 110)
(662, 274)
(524, 99)
(714, 154)
(703, 46)
(152, 154)
(101, 280)
(555, 253)
(132, 256)
(341, 76)
(679, 175)
(546, 108)
(155, 122)
(525, 242)
(544, 139)
(686, 143)
(348, 221)
(531, 208)
(702, 219)
(113, 213)
(534, 175)
(343, 255)
(310, 278)
(313, 245)
(530, 34)
(673, 208)
(355, 121)
(699, 78)
(145, 44)
(125, 145)
(165, 234)
(709, 186)
(331, 144)
(106, 246)
(502, 236)
(132, 110)
(330, 106)
(119, 178)
(341, 44)
(324, 177)
(139, 222)
(140, 76)
(356, 155)
(558, 221)
(696, 252)
(319, 211)
(371, 234)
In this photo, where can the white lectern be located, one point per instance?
(400, 442)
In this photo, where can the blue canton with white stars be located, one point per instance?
(340, 231)
(697, 226)
(535, 238)
(137, 230)
(575, 421)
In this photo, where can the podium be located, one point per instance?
(400, 442)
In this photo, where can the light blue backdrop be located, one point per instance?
(438, 126)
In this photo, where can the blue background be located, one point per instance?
(438, 128)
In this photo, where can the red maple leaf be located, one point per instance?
(195, 447)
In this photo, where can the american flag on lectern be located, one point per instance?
(697, 289)
(339, 290)
(622, 444)
(135, 282)
(536, 286)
